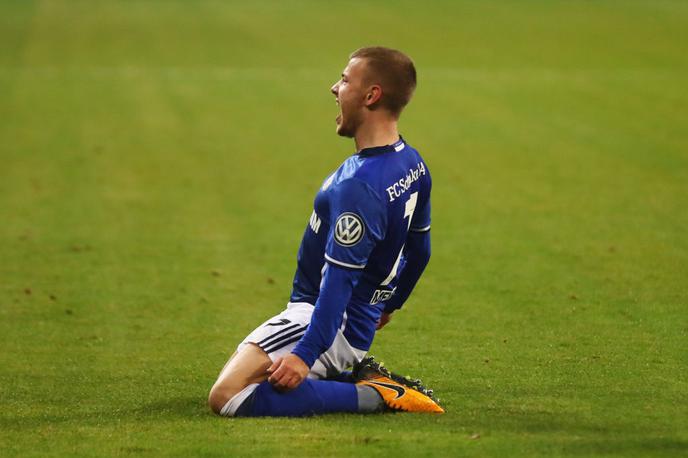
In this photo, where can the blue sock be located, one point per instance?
(311, 397)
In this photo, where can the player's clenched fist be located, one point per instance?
(287, 373)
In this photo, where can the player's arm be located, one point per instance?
(335, 291)
(337, 286)
(358, 223)
(416, 255)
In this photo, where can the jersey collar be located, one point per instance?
(397, 146)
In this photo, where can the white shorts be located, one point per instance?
(279, 335)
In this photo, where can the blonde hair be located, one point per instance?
(395, 73)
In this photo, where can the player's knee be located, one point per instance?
(246, 367)
(220, 395)
(218, 398)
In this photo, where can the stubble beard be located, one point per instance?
(347, 125)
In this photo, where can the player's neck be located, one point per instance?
(370, 135)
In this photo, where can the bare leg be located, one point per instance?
(248, 366)
(228, 361)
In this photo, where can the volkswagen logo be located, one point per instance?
(349, 229)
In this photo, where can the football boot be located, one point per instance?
(398, 392)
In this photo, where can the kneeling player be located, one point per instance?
(365, 247)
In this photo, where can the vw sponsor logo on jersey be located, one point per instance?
(349, 229)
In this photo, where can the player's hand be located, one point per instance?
(384, 319)
(287, 373)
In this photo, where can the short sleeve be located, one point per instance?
(358, 221)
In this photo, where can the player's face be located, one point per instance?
(349, 94)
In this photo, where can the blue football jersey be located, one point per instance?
(361, 218)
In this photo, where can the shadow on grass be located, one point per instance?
(567, 433)
(171, 409)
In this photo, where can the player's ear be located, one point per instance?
(373, 95)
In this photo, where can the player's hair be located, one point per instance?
(394, 71)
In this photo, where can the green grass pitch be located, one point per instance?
(158, 161)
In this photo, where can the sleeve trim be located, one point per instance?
(344, 264)
(420, 229)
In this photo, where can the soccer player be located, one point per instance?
(365, 246)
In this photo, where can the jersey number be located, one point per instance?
(408, 213)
